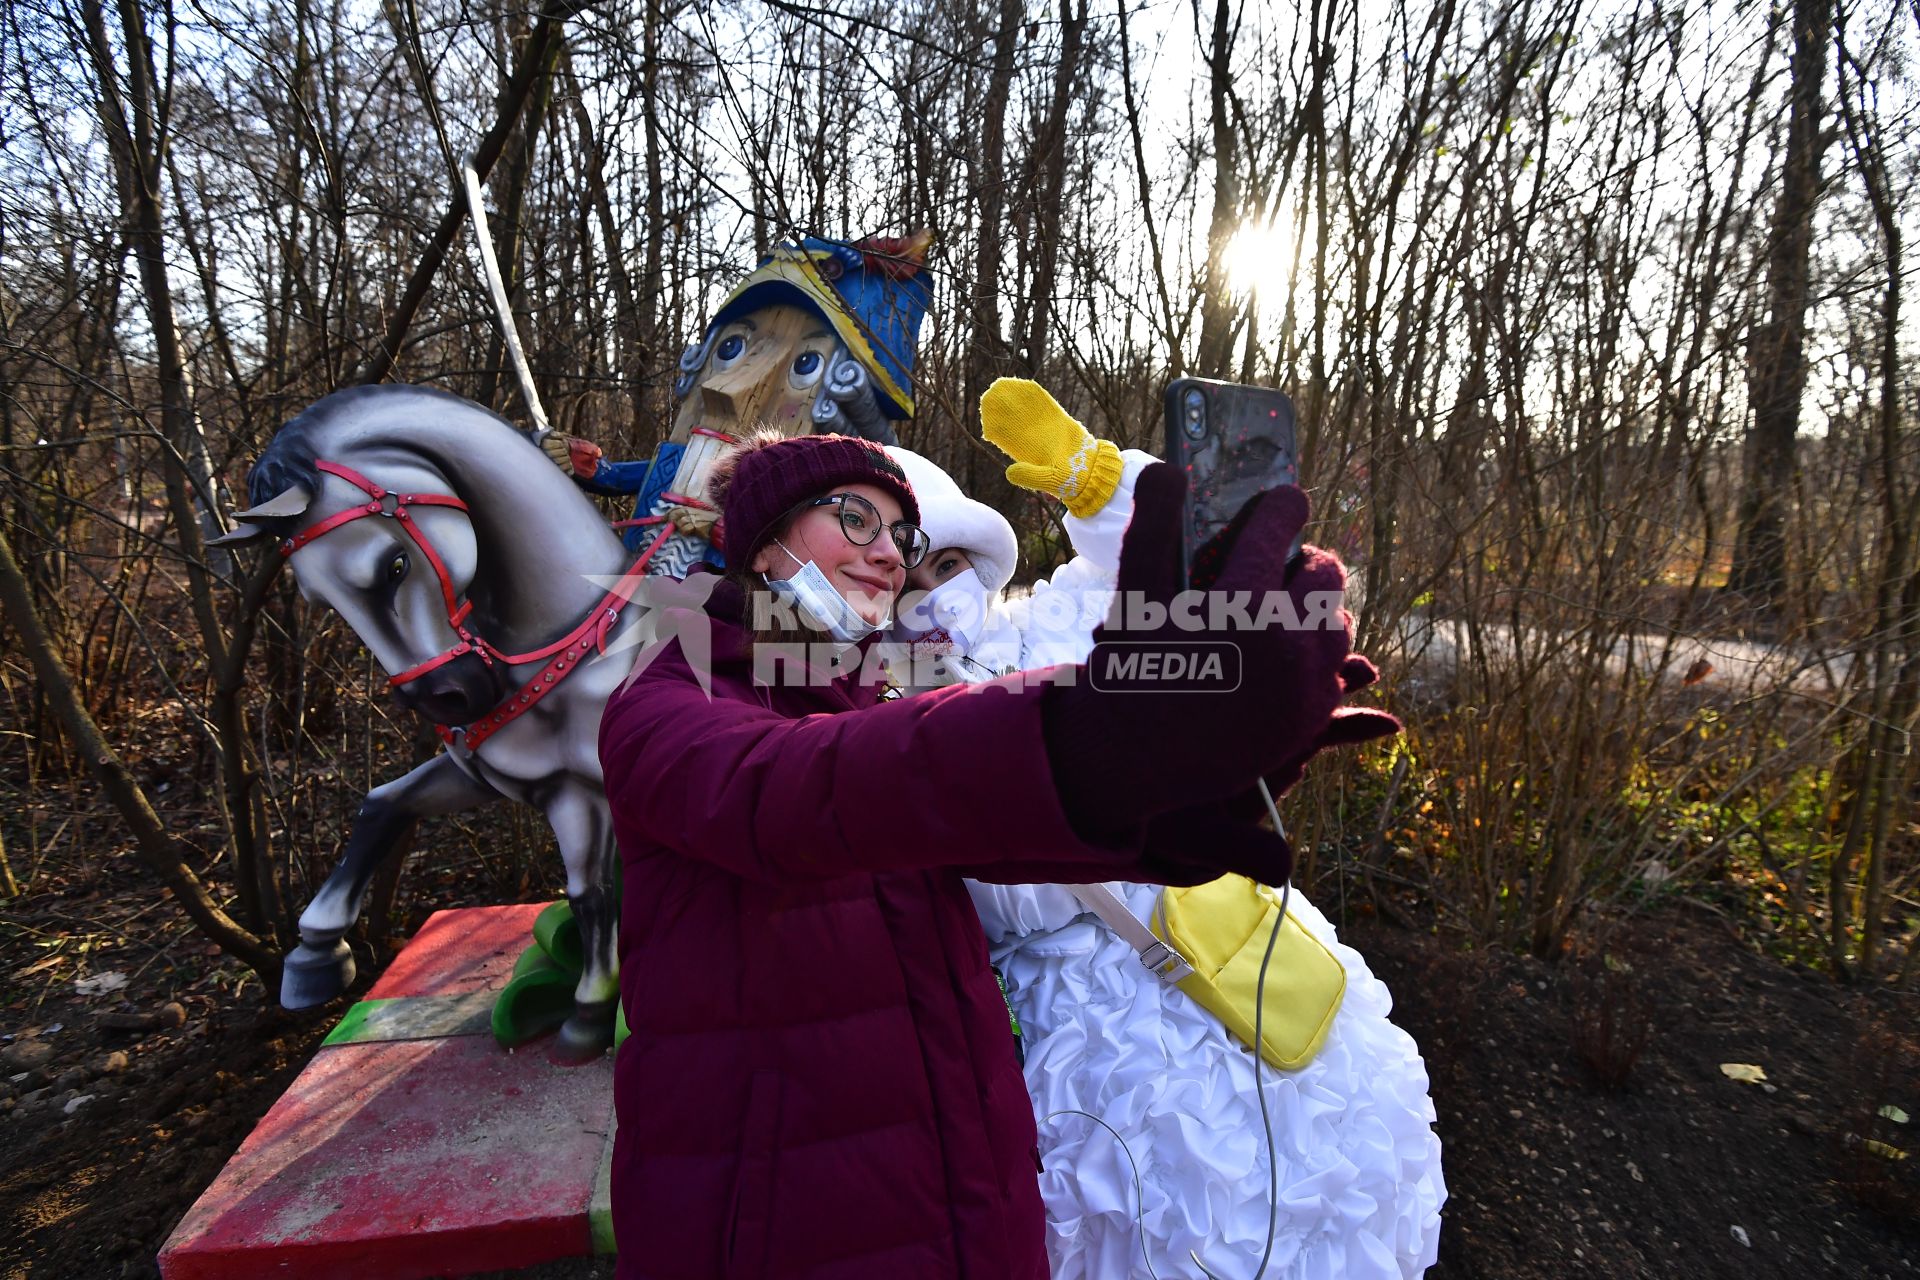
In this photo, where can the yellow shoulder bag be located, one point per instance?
(1210, 941)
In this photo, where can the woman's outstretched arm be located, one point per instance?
(957, 778)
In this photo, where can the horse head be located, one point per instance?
(437, 530)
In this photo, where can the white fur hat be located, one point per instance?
(952, 519)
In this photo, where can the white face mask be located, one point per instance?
(809, 589)
(957, 607)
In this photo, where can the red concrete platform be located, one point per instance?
(455, 952)
(413, 1157)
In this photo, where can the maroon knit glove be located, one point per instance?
(1349, 726)
(1188, 845)
(1123, 756)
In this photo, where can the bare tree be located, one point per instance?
(1776, 358)
(1548, 284)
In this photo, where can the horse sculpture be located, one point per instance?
(500, 604)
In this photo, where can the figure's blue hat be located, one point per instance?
(870, 291)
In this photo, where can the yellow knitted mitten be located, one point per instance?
(1052, 452)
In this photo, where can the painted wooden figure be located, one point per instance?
(819, 338)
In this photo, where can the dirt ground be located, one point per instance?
(108, 1134)
(1682, 1170)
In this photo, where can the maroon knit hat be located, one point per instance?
(767, 482)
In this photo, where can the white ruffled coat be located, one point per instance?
(1359, 1181)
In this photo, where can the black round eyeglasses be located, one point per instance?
(860, 522)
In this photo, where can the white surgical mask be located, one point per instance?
(957, 607)
(809, 589)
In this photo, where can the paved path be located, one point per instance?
(1739, 665)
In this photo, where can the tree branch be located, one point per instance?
(534, 64)
(156, 846)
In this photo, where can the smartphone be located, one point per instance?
(1233, 441)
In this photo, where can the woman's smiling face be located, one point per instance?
(869, 577)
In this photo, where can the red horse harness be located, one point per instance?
(562, 657)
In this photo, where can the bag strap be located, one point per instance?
(1160, 958)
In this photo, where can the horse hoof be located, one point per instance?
(587, 1034)
(313, 975)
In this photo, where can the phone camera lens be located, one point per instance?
(1196, 412)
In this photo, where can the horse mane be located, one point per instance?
(288, 461)
(291, 458)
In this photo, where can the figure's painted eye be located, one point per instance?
(397, 567)
(806, 370)
(731, 348)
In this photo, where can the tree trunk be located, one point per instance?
(655, 356)
(1173, 331)
(630, 322)
(988, 357)
(506, 229)
(989, 348)
(1217, 307)
(1051, 166)
(1895, 692)
(1776, 361)
(137, 140)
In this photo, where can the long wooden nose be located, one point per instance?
(738, 396)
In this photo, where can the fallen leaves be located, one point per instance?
(1744, 1072)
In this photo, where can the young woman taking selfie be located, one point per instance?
(820, 1079)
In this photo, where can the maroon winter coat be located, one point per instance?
(820, 1081)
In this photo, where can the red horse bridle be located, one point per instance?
(562, 657)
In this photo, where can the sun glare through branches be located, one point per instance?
(1260, 259)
